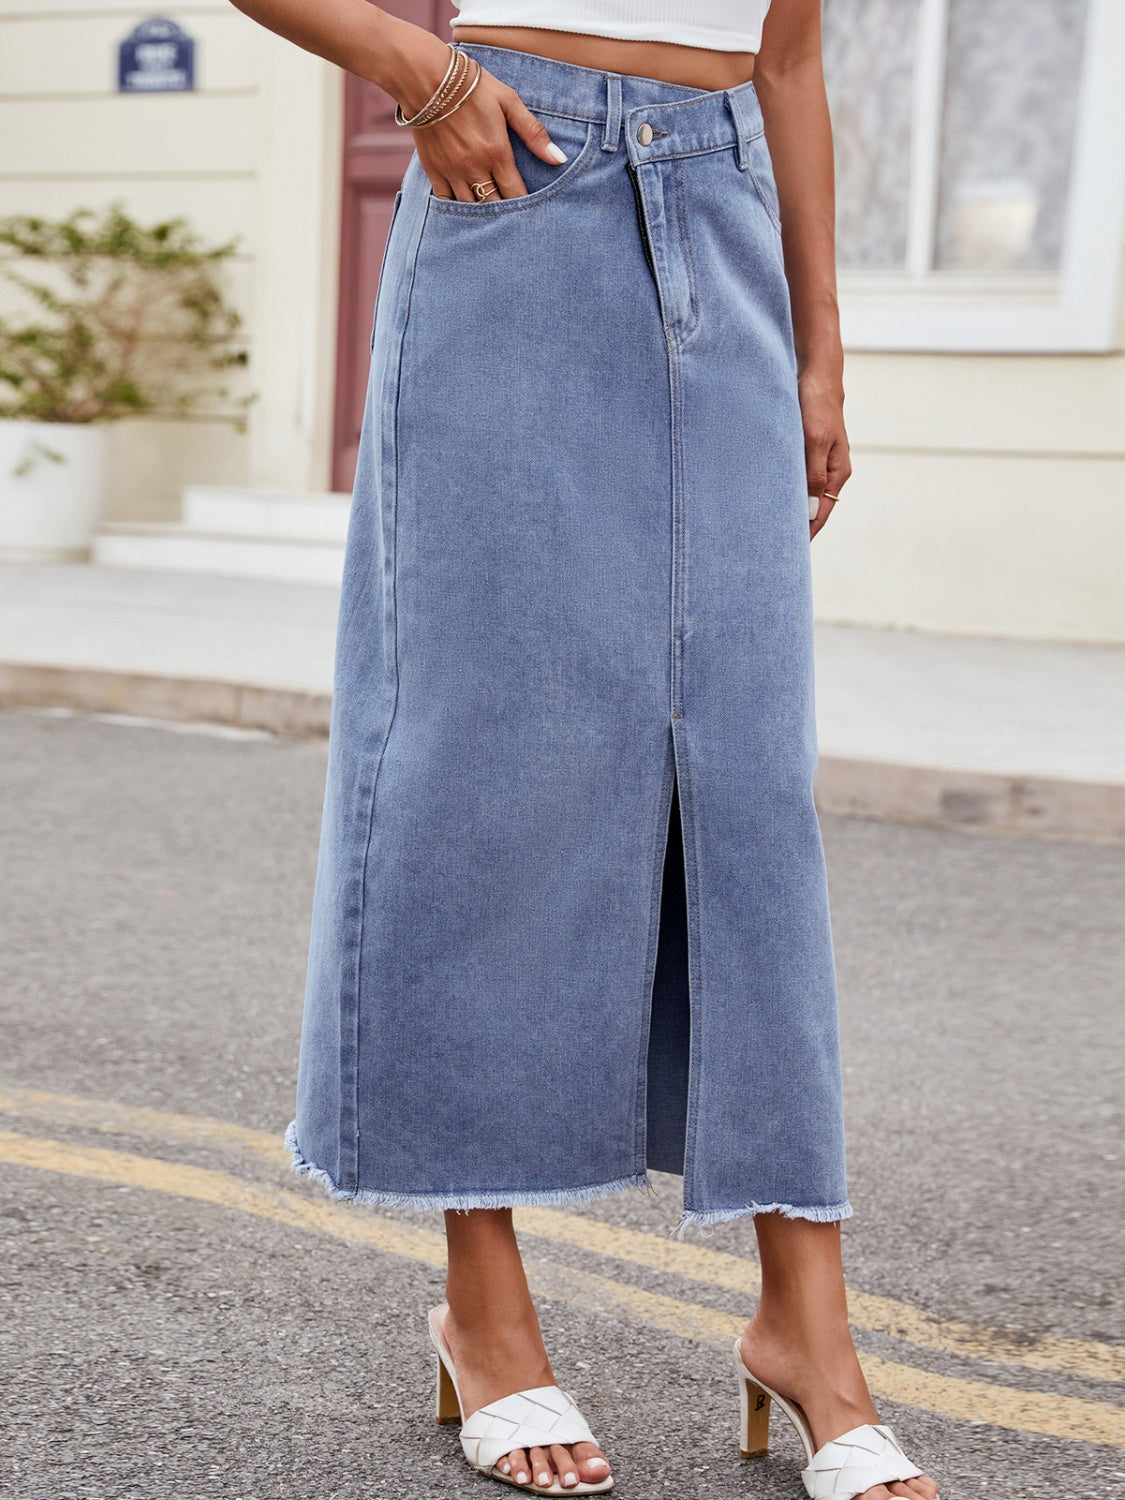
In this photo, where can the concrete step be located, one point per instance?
(186, 549)
(238, 533)
(294, 516)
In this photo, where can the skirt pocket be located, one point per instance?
(578, 138)
(383, 263)
(760, 166)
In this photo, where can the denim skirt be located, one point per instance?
(570, 919)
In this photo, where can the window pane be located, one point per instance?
(1011, 96)
(869, 73)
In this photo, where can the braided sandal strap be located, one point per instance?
(528, 1419)
(850, 1464)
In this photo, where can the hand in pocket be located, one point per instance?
(473, 144)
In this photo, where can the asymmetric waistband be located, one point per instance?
(680, 120)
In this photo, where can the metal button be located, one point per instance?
(644, 134)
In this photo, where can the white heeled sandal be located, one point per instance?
(534, 1418)
(842, 1469)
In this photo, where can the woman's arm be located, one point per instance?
(789, 80)
(409, 62)
(405, 60)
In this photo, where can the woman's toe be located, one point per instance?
(564, 1465)
(593, 1466)
(518, 1466)
(920, 1488)
(542, 1469)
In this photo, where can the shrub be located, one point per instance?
(120, 320)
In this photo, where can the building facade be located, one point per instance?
(981, 232)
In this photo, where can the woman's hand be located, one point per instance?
(473, 143)
(789, 84)
(409, 62)
(827, 456)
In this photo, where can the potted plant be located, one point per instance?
(116, 320)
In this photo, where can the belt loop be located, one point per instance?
(741, 131)
(612, 133)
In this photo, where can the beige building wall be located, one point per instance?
(252, 154)
(989, 490)
(987, 498)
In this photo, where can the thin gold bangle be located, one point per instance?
(443, 96)
(455, 57)
(460, 101)
(437, 99)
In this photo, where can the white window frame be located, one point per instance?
(1074, 310)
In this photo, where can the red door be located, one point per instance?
(376, 151)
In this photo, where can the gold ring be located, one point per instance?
(483, 188)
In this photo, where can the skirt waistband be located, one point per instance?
(654, 119)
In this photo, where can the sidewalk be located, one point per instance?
(999, 735)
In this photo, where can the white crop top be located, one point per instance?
(724, 25)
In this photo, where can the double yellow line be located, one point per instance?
(1075, 1418)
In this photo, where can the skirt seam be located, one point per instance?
(351, 1147)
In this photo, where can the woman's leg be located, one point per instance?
(493, 1334)
(799, 1342)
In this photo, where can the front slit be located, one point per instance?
(670, 1025)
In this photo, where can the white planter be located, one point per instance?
(52, 489)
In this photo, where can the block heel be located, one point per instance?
(448, 1408)
(843, 1469)
(754, 1419)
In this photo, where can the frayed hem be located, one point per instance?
(818, 1213)
(459, 1202)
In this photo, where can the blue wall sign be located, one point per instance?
(156, 58)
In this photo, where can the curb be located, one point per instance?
(972, 801)
(939, 797)
(285, 711)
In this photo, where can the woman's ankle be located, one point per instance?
(808, 1358)
(503, 1328)
(486, 1287)
(797, 1330)
(820, 1371)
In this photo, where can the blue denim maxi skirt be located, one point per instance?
(570, 919)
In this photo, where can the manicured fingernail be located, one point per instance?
(555, 154)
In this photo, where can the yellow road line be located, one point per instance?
(947, 1396)
(128, 1119)
(868, 1313)
(964, 1400)
(676, 1257)
(899, 1320)
(205, 1185)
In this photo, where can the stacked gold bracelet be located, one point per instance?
(460, 67)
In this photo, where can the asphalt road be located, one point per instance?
(184, 1320)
